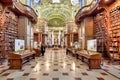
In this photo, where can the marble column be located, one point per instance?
(59, 34)
(52, 37)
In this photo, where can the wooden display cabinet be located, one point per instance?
(93, 59)
(38, 52)
(16, 60)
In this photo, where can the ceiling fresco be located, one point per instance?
(56, 13)
(57, 22)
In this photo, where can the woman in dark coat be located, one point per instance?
(42, 49)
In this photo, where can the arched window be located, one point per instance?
(37, 1)
(74, 2)
(82, 3)
(55, 1)
(29, 2)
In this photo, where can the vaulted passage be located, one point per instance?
(59, 39)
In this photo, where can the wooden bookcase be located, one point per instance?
(100, 32)
(8, 32)
(71, 38)
(68, 40)
(75, 37)
(108, 39)
(115, 32)
(36, 37)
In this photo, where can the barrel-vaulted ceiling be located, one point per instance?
(56, 13)
(57, 20)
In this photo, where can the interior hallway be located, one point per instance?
(56, 65)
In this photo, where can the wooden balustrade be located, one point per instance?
(83, 13)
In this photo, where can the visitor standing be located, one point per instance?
(42, 49)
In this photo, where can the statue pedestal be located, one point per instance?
(55, 47)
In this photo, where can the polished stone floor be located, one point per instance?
(56, 65)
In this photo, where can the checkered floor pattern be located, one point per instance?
(56, 65)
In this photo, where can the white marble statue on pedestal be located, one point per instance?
(56, 42)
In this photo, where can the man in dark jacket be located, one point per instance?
(42, 49)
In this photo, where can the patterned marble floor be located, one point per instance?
(111, 68)
(56, 65)
(4, 66)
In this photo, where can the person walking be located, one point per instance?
(42, 49)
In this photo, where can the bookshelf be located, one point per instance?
(75, 37)
(8, 32)
(115, 32)
(36, 37)
(108, 39)
(101, 33)
(68, 40)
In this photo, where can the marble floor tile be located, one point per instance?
(56, 65)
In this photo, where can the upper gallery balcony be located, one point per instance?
(22, 9)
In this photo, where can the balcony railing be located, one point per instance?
(86, 10)
(25, 10)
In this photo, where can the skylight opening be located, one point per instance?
(55, 1)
